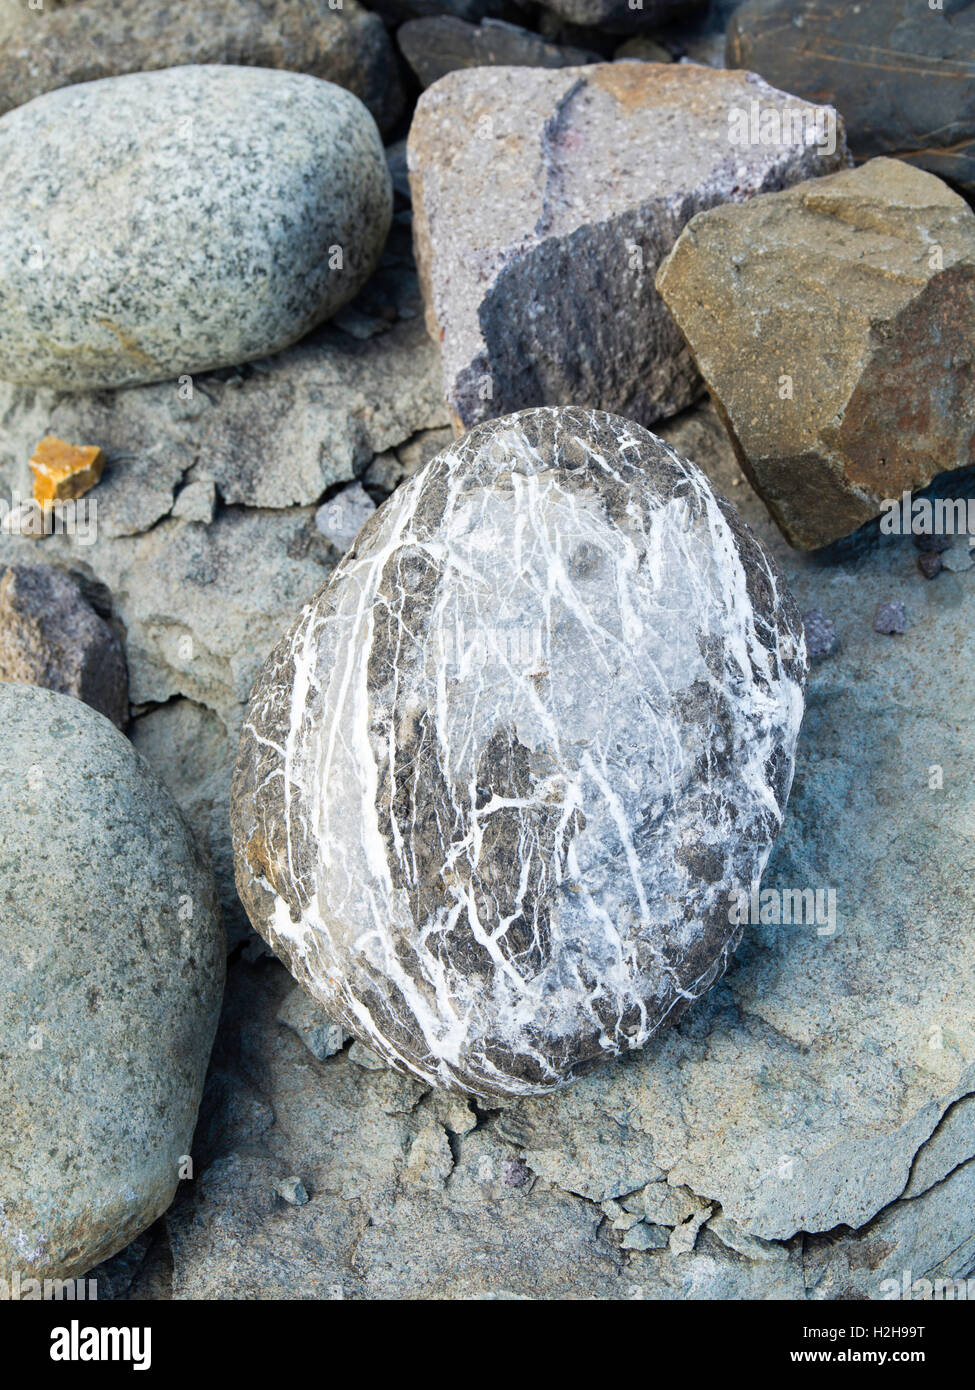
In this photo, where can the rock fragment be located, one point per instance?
(543, 204)
(303, 1016)
(511, 892)
(64, 471)
(890, 617)
(877, 262)
(900, 72)
(292, 1190)
(443, 43)
(620, 17)
(343, 516)
(51, 636)
(820, 634)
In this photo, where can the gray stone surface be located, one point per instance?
(111, 972)
(543, 204)
(620, 17)
(439, 45)
(107, 38)
(501, 849)
(135, 248)
(51, 636)
(341, 518)
(879, 263)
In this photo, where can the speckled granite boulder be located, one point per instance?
(163, 223)
(111, 972)
(543, 204)
(105, 38)
(497, 784)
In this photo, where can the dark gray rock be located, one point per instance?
(439, 45)
(500, 850)
(106, 38)
(51, 636)
(900, 72)
(622, 16)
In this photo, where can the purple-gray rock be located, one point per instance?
(436, 46)
(51, 636)
(890, 617)
(498, 784)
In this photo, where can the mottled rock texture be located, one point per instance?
(543, 203)
(107, 38)
(439, 45)
(902, 73)
(50, 635)
(496, 785)
(111, 972)
(620, 17)
(163, 223)
(834, 324)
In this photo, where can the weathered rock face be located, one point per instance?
(901, 73)
(501, 850)
(51, 636)
(252, 212)
(112, 971)
(620, 17)
(107, 38)
(443, 43)
(543, 203)
(835, 326)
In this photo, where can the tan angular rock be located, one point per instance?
(544, 201)
(834, 324)
(63, 471)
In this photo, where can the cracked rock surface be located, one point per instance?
(878, 263)
(498, 783)
(544, 202)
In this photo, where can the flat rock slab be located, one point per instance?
(111, 974)
(835, 326)
(543, 204)
(443, 43)
(134, 248)
(107, 38)
(498, 784)
(902, 74)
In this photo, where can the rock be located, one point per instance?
(820, 634)
(929, 564)
(958, 559)
(342, 516)
(430, 1161)
(51, 636)
(109, 38)
(644, 49)
(112, 971)
(253, 212)
(879, 262)
(619, 16)
(458, 917)
(197, 501)
(293, 1191)
(302, 1015)
(890, 617)
(64, 471)
(439, 45)
(899, 72)
(278, 433)
(543, 203)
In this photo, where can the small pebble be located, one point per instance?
(515, 1172)
(929, 563)
(63, 471)
(820, 634)
(933, 545)
(890, 617)
(958, 559)
(293, 1191)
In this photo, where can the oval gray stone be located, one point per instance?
(164, 223)
(497, 785)
(111, 974)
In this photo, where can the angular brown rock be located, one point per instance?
(64, 471)
(834, 324)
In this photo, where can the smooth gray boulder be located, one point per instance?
(344, 44)
(164, 223)
(111, 975)
(498, 785)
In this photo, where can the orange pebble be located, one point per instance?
(62, 471)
